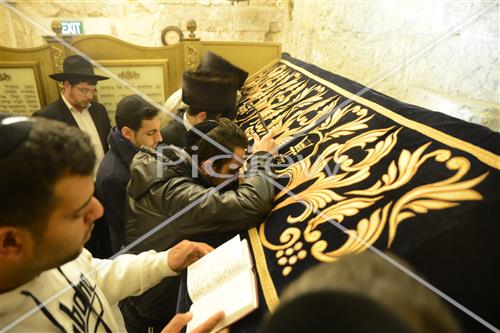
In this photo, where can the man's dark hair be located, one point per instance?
(132, 110)
(226, 133)
(211, 114)
(29, 172)
(370, 276)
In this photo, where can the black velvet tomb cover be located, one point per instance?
(362, 169)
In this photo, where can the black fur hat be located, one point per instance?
(214, 62)
(209, 90)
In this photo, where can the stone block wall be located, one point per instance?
(141, 22)
(438, 54)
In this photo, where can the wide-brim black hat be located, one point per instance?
(76, 67)
(214, 62)
(208, 90)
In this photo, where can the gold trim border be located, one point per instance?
(263, 69)
(483, 155)
(268, 289)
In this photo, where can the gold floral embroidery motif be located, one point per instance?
(288, 102)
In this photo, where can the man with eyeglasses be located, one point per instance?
(75, 108)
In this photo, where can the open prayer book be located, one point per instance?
(222, 280)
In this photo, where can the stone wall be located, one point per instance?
(141, 22)
(437, 54)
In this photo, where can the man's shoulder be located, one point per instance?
(176, 124)
(148, 166)
(110, 187)
(82, 261)
(101, 119)
(174, 133)
(112, 169)
(97, 106)
(99, 109)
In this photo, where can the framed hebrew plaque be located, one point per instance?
(20, 87)
(131, 77)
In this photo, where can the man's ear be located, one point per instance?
(127, 133)
(14, 243)
(201, 117)
(66, 85)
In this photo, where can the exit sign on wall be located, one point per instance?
(72, 27)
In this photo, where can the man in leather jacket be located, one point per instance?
(203, 176)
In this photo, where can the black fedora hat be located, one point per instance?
(77, 67)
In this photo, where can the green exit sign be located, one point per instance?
(72, 27)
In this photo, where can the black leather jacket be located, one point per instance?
(158, 191)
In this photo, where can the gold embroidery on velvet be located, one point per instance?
(367, 229)
(283, 99)
(320, 193)
(433, 196)
(288, 122)
(288, 105)
(345, 129)
(487, 157)
(285, 252)
(438, 195)
(266, 282)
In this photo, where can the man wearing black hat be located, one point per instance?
(137, 125)
(203, 97)
(214, 62)
(75, 108)
(208, 95)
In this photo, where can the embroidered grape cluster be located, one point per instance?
(290, 257)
